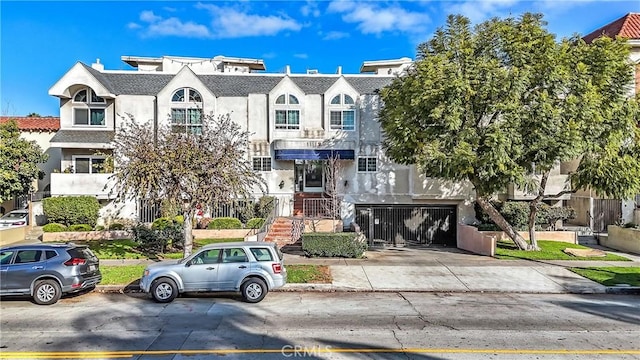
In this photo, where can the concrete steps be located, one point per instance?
(281, 232)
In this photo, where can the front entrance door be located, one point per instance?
(311, 176)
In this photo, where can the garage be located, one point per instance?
(408, 225)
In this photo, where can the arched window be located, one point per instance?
(88, 108)
(186, 111)
(342, 113)
(287, 112)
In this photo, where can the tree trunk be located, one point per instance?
(188, 233)
(533, 211)
(502, 223)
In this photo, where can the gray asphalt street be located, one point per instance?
(326, 326)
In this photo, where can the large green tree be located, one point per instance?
(184, 168)
(19, 161)
(494, 103)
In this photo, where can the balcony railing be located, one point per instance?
(98, 185)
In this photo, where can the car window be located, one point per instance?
(81, 252)
(50, 254)
(5, 257)
(234, 255)
(13, 216)
(206, 257)
(27, 256)
(262, 254)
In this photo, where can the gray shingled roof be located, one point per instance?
(136, 83)
(239, 85)
(368, 85)
(83, 136)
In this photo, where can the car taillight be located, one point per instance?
(75, 261)
(17, 223)
(277, 268)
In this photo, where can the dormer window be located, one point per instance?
(342, 114)
(186, 111)
(287, 112)
(88, 108)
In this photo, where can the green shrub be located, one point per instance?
(179, 219)
(71, 209)
(488, 227)
(225, 223)
(516, 213)
(349, 245)
(148, 240)
(54, 227)
(161, 223)
(169, 231)
(116, 226)
(265, 206)
(255, 223)
(80, 227)
(99, 228)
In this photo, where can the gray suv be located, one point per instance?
(252, 268)
(46, 271)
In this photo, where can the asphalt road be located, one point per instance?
(325, 326)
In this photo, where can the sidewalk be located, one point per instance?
(445, 270)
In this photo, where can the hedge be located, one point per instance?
(116, 226)
(349, 245)
(54, 227)
(80, 227)
(516, 213)
(69, 210)
(255, 223)
(225, 223)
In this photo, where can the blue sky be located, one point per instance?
(40, 41)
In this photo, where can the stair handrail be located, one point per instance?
(275, 212)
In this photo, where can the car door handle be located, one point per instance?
(242, 267)
(37, 267)
(210, 268)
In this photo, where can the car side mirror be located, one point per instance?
(187, 264)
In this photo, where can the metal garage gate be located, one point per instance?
(402, 225)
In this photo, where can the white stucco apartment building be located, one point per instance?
(296, 122)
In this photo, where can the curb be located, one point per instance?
(328, 288)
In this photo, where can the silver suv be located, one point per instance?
(46, 271)
(253, 268)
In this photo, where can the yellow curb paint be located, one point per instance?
(128, 354)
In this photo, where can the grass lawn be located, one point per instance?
(550, 250)
(610, 276)
(123, 275)
(126, 248)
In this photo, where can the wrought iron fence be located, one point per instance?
(323, 208)
(275, 212)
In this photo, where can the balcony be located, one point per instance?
(555, 184)
(98, 185)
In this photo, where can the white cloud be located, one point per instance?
(335, 35)
(478, 11)
(310, 9)
(301, 56)
(149, 16)
(228, 22)
(373, 18)
(175, 27)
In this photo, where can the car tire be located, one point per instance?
(46, 292)
(164, 290)
(254, 290)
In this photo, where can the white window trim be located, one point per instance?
(262, 159)
(89, 105)
(342, 107)
(287, 107)
(186, 100)
(90, 157)
(367, 171)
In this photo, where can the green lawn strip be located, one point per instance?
(121, 275)
(126, 274)
(611, 276)
(550, 250)
(126, 248)
(306, 274)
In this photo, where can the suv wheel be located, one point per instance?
(46, 292)
(254, 290)
(164, 290)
